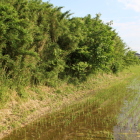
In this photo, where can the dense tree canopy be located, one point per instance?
(41, 45)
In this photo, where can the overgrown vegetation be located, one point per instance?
(40, 45)
(109, 112)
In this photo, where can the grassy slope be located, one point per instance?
(40, 100)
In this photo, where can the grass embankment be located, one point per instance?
(18, 112)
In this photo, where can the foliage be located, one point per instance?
(39, 44)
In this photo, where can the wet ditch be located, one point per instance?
(113, 113)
